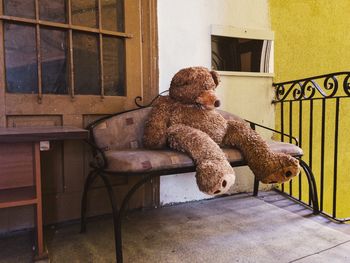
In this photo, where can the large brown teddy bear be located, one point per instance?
(187, 121)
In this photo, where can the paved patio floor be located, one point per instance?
(238, 228)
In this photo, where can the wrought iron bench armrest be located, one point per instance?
(253, 124)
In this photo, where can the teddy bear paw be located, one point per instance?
(282, 175)
(215, 178)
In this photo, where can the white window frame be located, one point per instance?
(249, 33)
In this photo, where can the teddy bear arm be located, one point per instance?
(195, 142)
(269, 167)
(214, 174)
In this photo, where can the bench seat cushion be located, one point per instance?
(143, 160)
(125, 131)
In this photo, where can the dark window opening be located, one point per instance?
(240, 54)
(37, 54)
(86, 64)
(54, 70)
(20, 59)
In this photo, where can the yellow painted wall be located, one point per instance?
(312, 38)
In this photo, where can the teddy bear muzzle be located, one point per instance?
(208, 100)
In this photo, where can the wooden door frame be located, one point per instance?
(149, 73)
(150, 80)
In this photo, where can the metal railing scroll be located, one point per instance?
(315, 110)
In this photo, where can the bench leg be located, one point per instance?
(88, 182)
(256, 186)
(312, 186)
(115, 214)
(118, 222)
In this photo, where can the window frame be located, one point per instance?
(247, 33)
(70, 27)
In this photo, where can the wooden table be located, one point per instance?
(20, 176)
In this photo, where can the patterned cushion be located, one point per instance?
(122, 131)
(141, 160)
(125, 131)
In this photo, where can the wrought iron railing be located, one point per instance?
(316, 111)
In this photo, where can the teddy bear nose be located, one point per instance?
(217, 103)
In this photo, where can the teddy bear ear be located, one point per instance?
(215, 76)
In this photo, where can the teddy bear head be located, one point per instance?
(195, 85)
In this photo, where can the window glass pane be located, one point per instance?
(20, 8)
(54, 61)
(20, 59)
(86, 64)
(84, 13)
(113, 15)
(239, 54)
(114, 66)
(53, 10)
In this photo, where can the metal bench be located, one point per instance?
(116, 142)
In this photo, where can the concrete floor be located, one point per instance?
(238, 228)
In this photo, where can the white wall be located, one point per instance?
(184, 40)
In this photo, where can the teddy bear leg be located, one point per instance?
(268, 167)
(214, 174)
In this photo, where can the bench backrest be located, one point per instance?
(125, 130)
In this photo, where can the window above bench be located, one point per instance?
(242, 51)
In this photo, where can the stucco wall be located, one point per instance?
(312, 38)
(184, 40)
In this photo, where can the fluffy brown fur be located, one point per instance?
(186, 120)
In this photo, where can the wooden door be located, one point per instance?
(68, 62)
